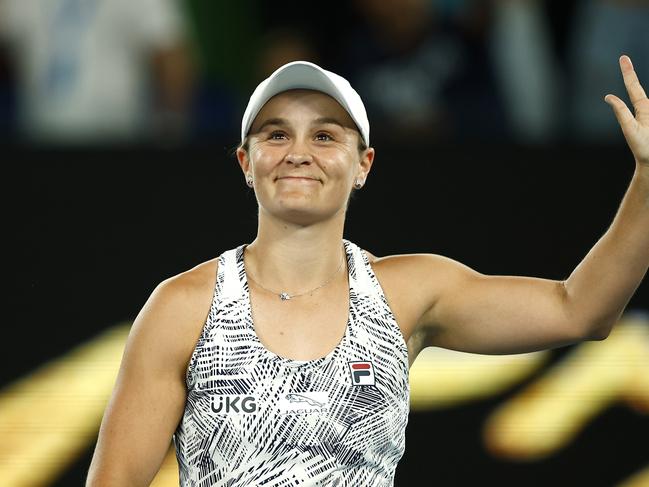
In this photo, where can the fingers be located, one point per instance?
(622, 112)
(633, 86)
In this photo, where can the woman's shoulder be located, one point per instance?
(410, 282)
(418, 263)
(407, 275)
(182, 301)
(192, 285)
(169, 324)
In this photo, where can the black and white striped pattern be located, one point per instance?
(254, 418)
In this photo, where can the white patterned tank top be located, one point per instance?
(253, 418)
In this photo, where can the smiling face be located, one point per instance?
(303, 155)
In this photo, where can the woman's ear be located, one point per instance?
(367, 159)
(244, 161)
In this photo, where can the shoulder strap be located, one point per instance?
(361, 274)
(229, 282)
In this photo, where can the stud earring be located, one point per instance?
(358, 184)
(249, 180)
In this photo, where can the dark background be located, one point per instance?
(92, 231)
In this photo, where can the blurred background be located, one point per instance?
(494, 147)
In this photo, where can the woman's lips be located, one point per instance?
(298, 178)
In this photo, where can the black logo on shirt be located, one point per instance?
(234, 404)
(300, 398)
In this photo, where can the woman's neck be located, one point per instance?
(296, 257)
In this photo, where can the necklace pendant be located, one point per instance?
(284, 296)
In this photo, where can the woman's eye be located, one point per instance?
(322, 136)
(277, 135)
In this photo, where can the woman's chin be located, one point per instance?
(302, 213)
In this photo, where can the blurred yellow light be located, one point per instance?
(51, 416)
(444, 378)
(640, 479)
(548, 414)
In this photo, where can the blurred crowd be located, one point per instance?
(104, 72)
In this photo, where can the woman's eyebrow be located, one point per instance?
(282, 122)
(324, 120)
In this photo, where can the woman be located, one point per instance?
(284, 362)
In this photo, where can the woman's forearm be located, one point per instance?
(601, 286)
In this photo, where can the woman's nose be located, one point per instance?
(298, 158)
(299, 154)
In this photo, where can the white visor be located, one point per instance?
(305, 75)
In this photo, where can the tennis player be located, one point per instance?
(284, 361)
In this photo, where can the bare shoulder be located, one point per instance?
(174, 315)
(413, 283)
(412, 270)
(192, 284)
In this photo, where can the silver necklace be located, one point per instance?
(284, 296)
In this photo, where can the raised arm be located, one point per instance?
(149, 394)
(461, 309)
(603, 283)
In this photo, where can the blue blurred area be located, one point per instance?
(525, 70)
(7, 99)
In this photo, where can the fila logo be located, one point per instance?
(362, 373)
(234, 404)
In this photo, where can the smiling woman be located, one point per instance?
(317, 143)
(285, 361)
